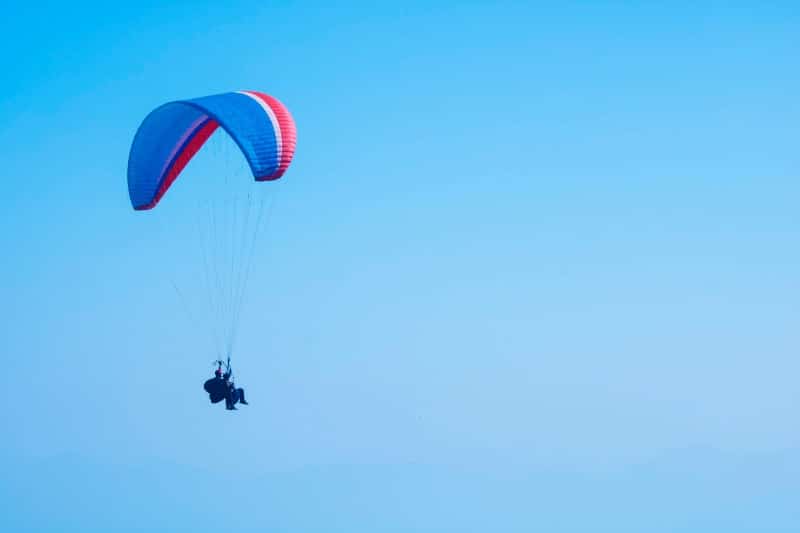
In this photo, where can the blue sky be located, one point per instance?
(534, 267)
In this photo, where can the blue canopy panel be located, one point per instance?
(172, 134)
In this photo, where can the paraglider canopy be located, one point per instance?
(230, 216)
(172, 134)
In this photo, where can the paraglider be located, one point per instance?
(221, 387)
(166, 141)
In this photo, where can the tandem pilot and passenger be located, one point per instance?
(221, 387)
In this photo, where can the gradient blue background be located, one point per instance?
(534, 268)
